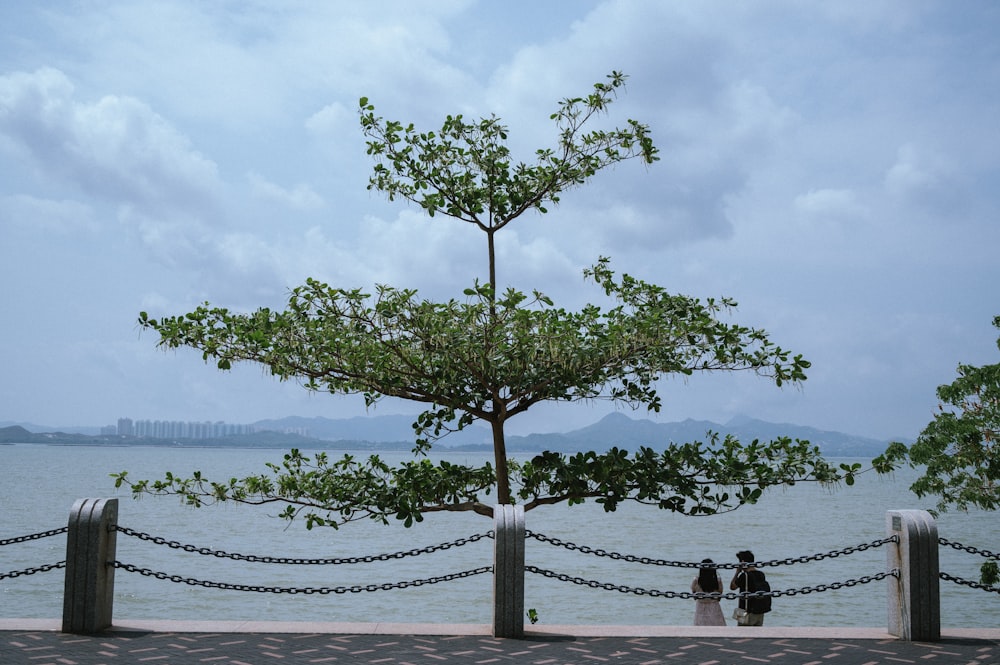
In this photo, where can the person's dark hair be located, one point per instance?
(708, 578)
(746, 556)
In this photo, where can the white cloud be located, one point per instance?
(252, 64)
(177, 242)
(46, 215)
(331, 120)
(714, 123)
(831, 204)
(433, 254)
(116, 148)
(916, 174)
(299, 197)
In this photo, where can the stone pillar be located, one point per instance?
(914, 600)
(90, 573)
(508, 571)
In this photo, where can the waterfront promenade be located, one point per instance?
(39, 642)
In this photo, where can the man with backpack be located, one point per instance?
(748, 579)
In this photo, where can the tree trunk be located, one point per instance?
(500, 457)
(491, 249)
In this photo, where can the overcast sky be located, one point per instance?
(834, 167)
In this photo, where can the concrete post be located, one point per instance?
(90, 573)
(508, 571)
(914, 600)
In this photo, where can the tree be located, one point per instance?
(960, 446)
(464, 171)
(493, 354)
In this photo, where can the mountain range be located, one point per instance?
(619, 430)
(395, 432)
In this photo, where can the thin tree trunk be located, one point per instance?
(500, 457)
(499, 444)
(493, 262)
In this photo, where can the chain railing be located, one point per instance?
(356, 588)
(300, 561)
(110, 526)
(34, 536)
(970, 550)
(687, 595)
(330, 561)
(583, 549)
(630, 558)
(34, 569)
(31, 571)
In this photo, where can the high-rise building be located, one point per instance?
(167, 429)
(125, 427)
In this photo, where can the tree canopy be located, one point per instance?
(960, 446)
(492, 354)
(466, 172)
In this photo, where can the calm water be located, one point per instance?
(38, 485)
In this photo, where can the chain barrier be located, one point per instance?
(690, 564)
(299, 561)
(968, 548)
(32, 571)
(688, 595)
(357, 588)
(584, 549)
(968, 583)
(36, 569)
(34, 536)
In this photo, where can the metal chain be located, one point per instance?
(690, 564)
(969, 583)
(357, 588)
(969, 549)
(32, 571)
(34, 536)
(687, 595)
(312, 562)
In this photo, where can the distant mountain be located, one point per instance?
(88, 430)
(14, 433)
(19, 434)
(615, 429)
(618, 430)
(369, 428)
(833, 444)
(395, 432)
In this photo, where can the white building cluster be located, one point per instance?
(175, 429)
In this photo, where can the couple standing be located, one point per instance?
(748, 578)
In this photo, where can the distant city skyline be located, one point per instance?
(186, 429)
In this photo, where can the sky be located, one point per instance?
(833, 167)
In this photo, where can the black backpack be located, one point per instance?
(757, 582)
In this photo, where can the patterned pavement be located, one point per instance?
(47, 647)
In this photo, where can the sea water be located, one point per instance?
(39, 484)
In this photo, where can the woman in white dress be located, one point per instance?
(707, 611)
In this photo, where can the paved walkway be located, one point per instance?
(39, 642)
